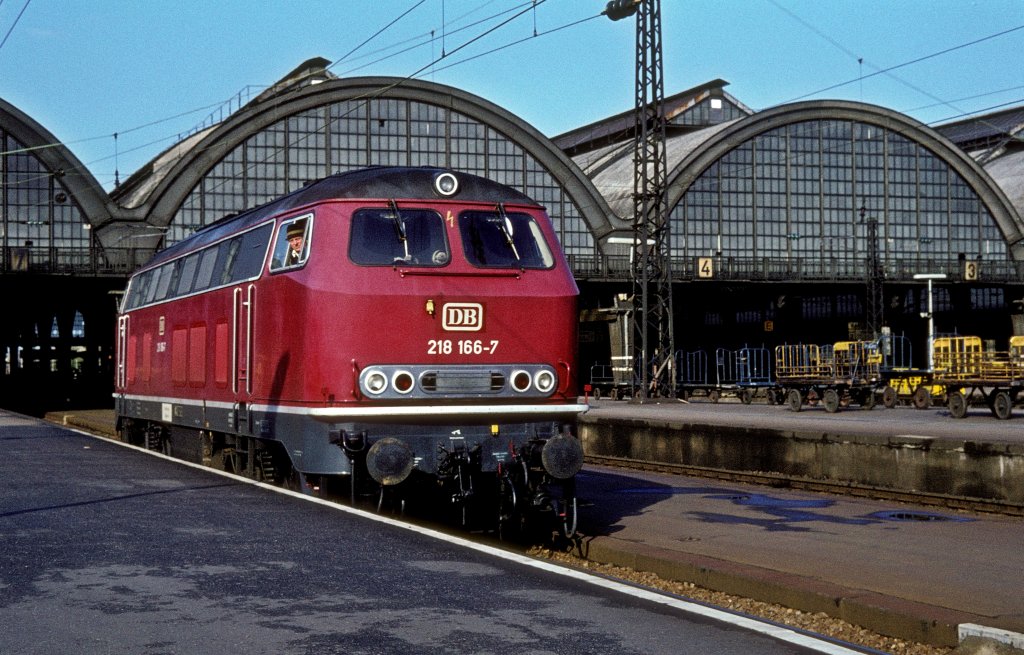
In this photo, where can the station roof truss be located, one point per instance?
(998, 184)
(162, 186)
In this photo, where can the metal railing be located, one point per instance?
(92, 261)
(98, 261)
(617, 267)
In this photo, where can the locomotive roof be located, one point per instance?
(382, 182)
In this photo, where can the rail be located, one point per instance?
(844, 488)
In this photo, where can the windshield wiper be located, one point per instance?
(396, 216)
(506, 229)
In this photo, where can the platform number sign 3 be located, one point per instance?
(971, 270)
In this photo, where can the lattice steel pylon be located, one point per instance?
(875, 276)
(654, 343)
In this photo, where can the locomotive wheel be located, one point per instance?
(957, 404)
(831, 401)
(795, 399)
(889, 397)
(922, 398)
(1002, 405)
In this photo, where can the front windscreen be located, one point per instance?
(406, 237)
(499, 239)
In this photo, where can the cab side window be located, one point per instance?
(291, 248)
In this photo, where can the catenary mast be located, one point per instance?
(654, 344)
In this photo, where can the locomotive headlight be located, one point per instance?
(446, 184)
(375, 382)
(544, 381)
(521, 381)
(402, 381)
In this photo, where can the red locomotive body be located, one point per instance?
(389, 325)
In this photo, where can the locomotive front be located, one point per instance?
(446, 336)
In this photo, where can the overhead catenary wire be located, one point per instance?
(365, 98)
(888, 71)
(349, 57)
(16, 20)
(972, 97)
(379, 92)
(523, 6)
(421, 40)
(908, 63)
(376, 34)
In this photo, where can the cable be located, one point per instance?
(980, 111)
(422, 40)
(974, 97)
(376, 34)
(527, 6)
(887, 71)
(513, 43)
(905, 64)
(178, 136)
(6, 36)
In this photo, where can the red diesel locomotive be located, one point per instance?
(399, 329)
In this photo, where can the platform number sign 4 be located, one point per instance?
(705, 267)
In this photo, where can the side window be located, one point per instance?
(167, 279)
(227, 252)
(249, 259)
(188, 273)
(291, 248)
(205, 275)
(151, 284)
(232, 260)
(137, 292)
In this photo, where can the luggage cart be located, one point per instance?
(973, 375)
(836, 375)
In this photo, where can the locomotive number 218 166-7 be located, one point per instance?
(461, 347)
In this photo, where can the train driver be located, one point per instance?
(294, 252)
(296, 237)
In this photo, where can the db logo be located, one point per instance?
(462, 317)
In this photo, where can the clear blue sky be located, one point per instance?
(149, 69)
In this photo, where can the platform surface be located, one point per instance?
(911, 572)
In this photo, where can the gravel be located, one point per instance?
(819, 623)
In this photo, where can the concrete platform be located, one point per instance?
(908, 572)
(901, 448)
(911, 573)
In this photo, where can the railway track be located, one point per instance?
(779, 480)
